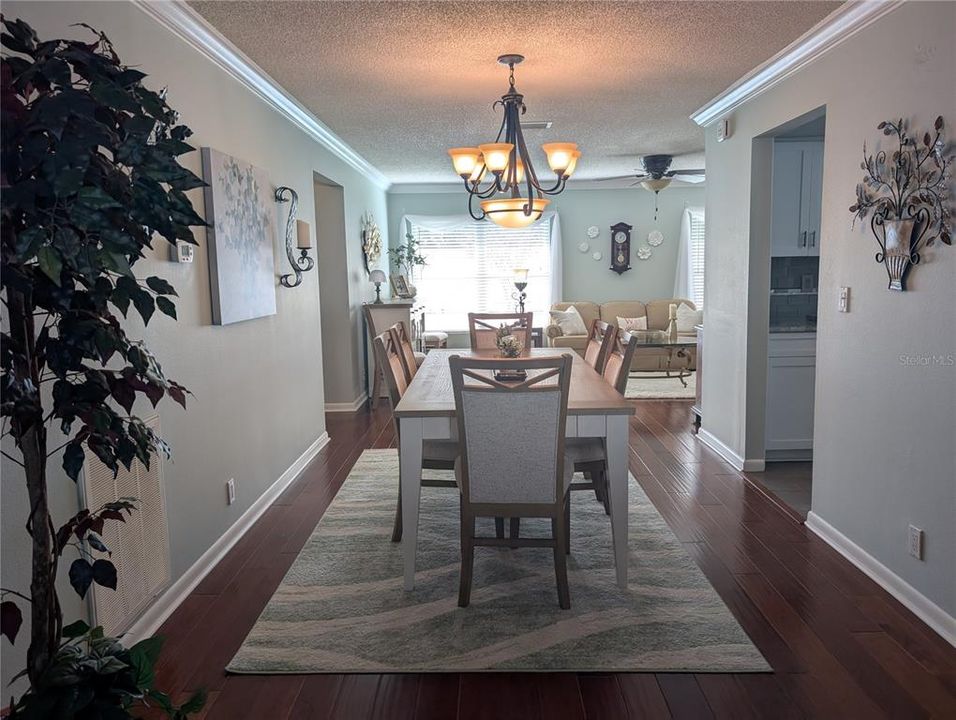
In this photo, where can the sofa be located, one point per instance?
(657, 313)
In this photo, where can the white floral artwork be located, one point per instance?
(584, 247)
(597, 255)
(241, 212)
(655, 238)
(594, 231)
(643, 253)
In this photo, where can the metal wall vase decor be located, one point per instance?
(906, 196)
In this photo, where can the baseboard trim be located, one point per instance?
(164, 605)
(921, 606)
(727, 453)
(347, 407)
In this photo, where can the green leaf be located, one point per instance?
(11, 618)
(50, 263)
(143, 657)
(81, 576)
(95, 197)
(166, 306)
(73, 457)
(160, 286)
(75, 630)
(104, 573)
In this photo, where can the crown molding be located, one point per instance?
(191, 27)
(844, 22)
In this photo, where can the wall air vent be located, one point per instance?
(536, 124)
(140, 546)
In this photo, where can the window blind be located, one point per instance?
(697, 257)
(470, 269)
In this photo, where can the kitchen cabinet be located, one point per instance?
(797, 191)
(791, 374)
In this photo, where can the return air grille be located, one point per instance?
(140, 546)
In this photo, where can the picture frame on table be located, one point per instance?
(400, 286)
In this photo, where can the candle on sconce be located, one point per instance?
(303, 238)
(673, 313)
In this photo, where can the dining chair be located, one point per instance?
(589, 454)
(483, 328)
(599, 344)
(436, 454)
(411, 360)
(512, 462)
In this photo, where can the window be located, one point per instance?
(696, 255)
(470, 269)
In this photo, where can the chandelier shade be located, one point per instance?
(501, 174)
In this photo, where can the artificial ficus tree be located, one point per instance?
(89, 177)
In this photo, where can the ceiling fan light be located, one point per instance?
(496, 155)
(560, 155)
(510, 212)
(656, 184)
(464, 159)
(574, 162)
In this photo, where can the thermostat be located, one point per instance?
(723, 129)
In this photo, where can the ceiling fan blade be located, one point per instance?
(686, 172)
(616, 177)
(691, 178)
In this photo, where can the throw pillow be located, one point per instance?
(570, 321)
(687, 318)
(632, 324)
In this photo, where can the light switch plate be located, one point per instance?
(844, 302)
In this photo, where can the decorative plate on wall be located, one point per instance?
(643, 252)
(594, 231)
(655, 238)
(584, 247)
(597, 255)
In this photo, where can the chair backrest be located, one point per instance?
(619, 357)
(399, 334)
(483, 328)
(389, 358)
(599, 343)
(511, 435)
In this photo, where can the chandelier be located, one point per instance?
(501, 175)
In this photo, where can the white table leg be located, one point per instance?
(617, 430)
(410, 472)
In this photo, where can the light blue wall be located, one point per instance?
(585, 278)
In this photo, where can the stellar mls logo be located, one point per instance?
(928, 360)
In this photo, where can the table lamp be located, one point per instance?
(521, 282)
(377, 277)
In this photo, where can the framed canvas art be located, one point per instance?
(241, 212)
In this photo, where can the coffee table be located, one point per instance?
(679, 349)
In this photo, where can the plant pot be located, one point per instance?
(897, 255)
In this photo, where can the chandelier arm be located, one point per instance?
(471, 211)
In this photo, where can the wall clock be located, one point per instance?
(655, 238)
(620, 247)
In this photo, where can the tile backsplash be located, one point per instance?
(793, 298)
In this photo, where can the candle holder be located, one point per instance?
(303, 263)
(521, 282)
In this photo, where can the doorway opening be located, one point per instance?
(790, 264)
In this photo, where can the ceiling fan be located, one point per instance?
(657, 175)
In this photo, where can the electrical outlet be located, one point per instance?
(916, 542)
(230, 491)
(844, 302)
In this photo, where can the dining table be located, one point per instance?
(427, 412)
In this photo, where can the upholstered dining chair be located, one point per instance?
(483, 328)
(512, 462)
(599, 344)
(411, 360)
(589, 454)
(436, 454)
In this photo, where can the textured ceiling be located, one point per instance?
(402, 82)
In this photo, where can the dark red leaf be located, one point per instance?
(10, 620)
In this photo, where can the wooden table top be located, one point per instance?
(431, 393)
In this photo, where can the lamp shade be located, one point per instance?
(509, 212)
(377, 276)
(520, 275)
(496, 155)
(574, 163)
(464, 159)
(302, 235)
(560, 155)
(656, 185)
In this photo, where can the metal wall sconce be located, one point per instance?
(303, 263)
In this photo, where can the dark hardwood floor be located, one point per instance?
(840, 646)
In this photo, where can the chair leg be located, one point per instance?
(376, 387)
(558, 532)
(514, 529)
(499, 528)
(397, 525)
(467, 557)
(604, 492)
(567, 525)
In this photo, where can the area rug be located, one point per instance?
(341, 607)
(657, 386)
